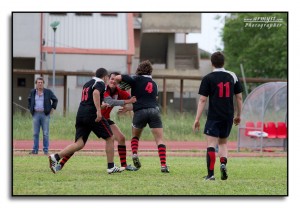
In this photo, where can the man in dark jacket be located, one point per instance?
(41, 102)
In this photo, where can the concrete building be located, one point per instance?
(84, 42)
(115, 41)
(163, 42)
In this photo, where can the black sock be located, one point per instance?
(110, 165)
(57, 157)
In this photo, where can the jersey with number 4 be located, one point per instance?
(87, 105)
(220, 86)
(144, 89)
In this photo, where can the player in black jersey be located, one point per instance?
(146, 111)
(89, 118)
(220, 86)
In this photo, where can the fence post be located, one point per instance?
(164, 96)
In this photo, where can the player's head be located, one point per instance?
(102, 74)
(145, 68)
(217, 59)
(112, 83)
(113, 74)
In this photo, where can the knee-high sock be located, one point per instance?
(162, 154)
(64, 160)
(134, 145)
(122, 155)
(210, 160)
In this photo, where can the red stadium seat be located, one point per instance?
(259, 126)
(249, 127)
(281, 130)
(271, 130)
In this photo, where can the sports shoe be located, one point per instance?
(115, 169)
(33, 152)
(164, 169)
(58, 167)
(52, 163)
(136, 161)
(211, 178)
(223, 170)
(131, 168)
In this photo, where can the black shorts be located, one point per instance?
(150, 116)
(220, 129)
(84, 126)
(110, 122)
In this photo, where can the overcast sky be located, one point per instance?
(209, 39)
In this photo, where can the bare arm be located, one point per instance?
(118, 78)
(239, 102)
(201, 105)
(96, 98)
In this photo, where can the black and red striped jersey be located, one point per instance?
(144, 89)
(87, 105)
(220, 86)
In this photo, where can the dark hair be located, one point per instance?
(217, 59)
(39, 78)
(114, 73)
(101, 72)
(144, 68)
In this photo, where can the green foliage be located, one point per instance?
(177, 127)
(247, 176)
(260, 48)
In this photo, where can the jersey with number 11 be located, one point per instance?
(220, 86)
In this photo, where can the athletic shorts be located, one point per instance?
(150, 116)
(220, 129)
(84, 126)
(110, 122)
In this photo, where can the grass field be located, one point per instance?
(86, 175)
(177, 127)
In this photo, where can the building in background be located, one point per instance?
(115, 41)
(162, 40)
(84, 42)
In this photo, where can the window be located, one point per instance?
(81, 80)
(109, 14)
(21, 82)
(59, 81)
(84, 13)
(58, 13)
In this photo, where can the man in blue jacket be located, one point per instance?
(41, 102)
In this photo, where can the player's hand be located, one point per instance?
(99, 116)
(196, 126)
(104, 105)
(122, 110)
(237, 121)
(133, 99)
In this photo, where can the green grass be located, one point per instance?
(86, 175)
(177, 127)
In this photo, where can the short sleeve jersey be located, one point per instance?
(145, 90)
(220, 86)
(87, 106)
(118, 94)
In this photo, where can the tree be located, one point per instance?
(259, 42)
